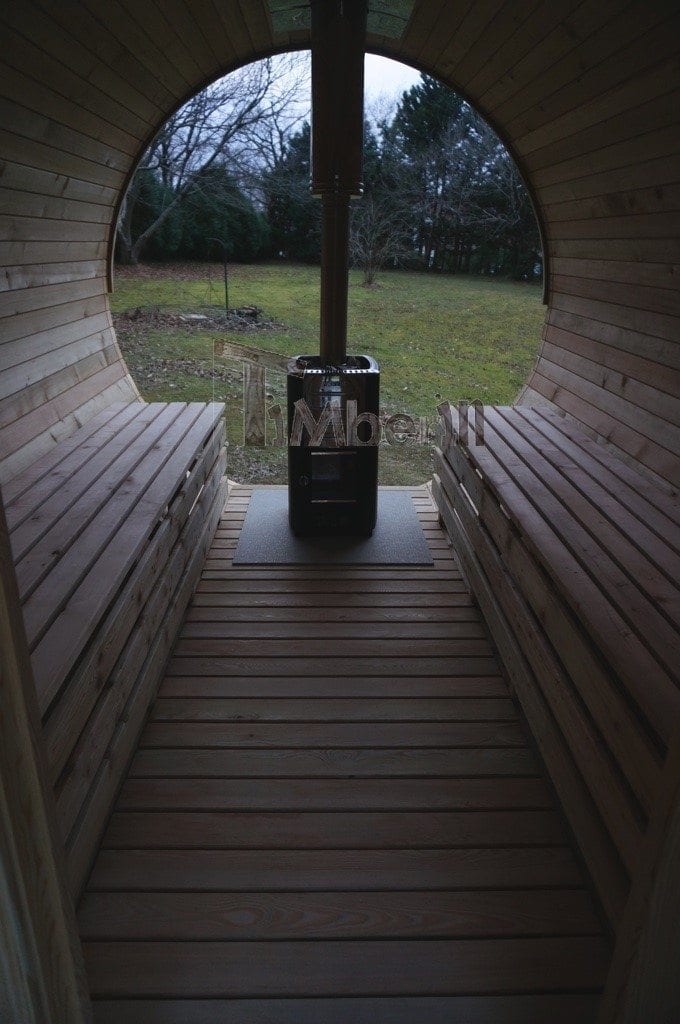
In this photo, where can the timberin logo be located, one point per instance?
(343, 434)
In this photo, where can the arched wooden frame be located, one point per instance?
(584, 95)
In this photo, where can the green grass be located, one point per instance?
(435, 337)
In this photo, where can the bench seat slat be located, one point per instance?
(574, 555)
(41, 539)
(650, 562)
(90, 746)
(667, 503)
(590, 755)
(50, 463)
(527, 658)
(79, 538)
(109, 531)
(69, 630)
(65, 721)
(594, 684)
(600, 549)
(557, 430)
(543, 521)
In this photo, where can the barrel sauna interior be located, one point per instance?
(585, 96)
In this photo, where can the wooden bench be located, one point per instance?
(109, 531)
(574, 558)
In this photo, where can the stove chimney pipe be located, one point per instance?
(338, 48)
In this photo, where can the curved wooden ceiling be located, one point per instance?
(585, 92)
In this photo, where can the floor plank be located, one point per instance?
(564, 1008)
(334, 967)
(336, 814)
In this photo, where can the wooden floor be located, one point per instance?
(335, 817)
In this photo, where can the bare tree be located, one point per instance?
(225, 123)
(377, 234)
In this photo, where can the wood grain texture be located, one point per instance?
(109, 533)
(268, 814)
(43, 975)
(554, 530)
(585, 95)
(401, 967)
(541, 1009)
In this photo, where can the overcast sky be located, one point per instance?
(386, 79)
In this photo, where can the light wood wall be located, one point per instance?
(585, 93)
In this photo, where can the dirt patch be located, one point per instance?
(244, 320)
(178, 271)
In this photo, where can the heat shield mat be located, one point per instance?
(266, 537)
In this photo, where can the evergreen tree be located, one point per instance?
(218, 219)
(294, 214)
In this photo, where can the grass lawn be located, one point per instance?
(434, 336)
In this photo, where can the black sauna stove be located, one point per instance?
(333, 445)
(333, 427)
